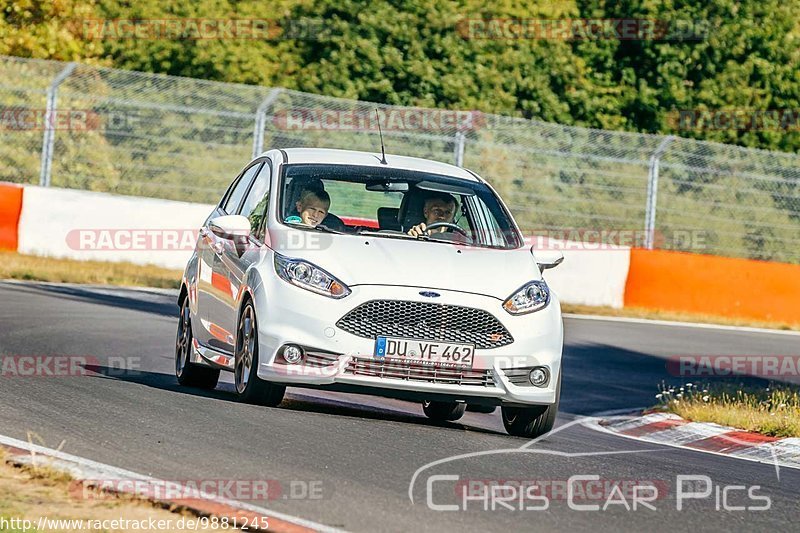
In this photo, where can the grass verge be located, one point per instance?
(26, 267)
(773, 410)
(28, 493)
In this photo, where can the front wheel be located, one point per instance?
(249, 387)
(532, 422)
(188, 373)
(444, 411)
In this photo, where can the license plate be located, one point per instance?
(417, 351)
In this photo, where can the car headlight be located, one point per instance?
(531, 297)
(310, 277)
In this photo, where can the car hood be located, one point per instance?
(363, 260)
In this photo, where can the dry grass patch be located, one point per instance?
(27, 267)
(28, 493)
(772, 410)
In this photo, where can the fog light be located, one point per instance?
(539, 376)
(292, 354)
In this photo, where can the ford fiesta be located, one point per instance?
(391, 276)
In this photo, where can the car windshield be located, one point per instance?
(394, 203)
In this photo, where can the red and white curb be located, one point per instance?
(672, 430)
(89, 472)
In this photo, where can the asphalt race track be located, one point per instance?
(360, 453)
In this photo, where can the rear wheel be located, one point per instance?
(532, 422)
(249, 387)
(188, 373)
(444, 411)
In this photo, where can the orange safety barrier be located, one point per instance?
(10, 209)
(725, 286)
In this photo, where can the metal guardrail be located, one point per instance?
(87, 127)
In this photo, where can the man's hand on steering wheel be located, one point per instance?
(423, 229)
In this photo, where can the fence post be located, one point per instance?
(652, 192)
(261, 119)
(458, 150)
(49, 137)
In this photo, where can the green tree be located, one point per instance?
(47, 29)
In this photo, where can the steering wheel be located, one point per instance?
(454, 227)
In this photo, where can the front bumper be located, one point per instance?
(338, 359)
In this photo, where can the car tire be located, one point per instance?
(478, 408)
(532, 422)
(444, 411)
(249, 387)
(190, 374)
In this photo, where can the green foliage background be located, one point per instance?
(410, 52)
(744, 202)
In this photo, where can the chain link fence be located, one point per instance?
(78, 126)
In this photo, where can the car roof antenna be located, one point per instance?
(383, 150)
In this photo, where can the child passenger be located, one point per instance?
(312, 208)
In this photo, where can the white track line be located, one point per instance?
(671, 323)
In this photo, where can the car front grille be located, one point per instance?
(426, 321)
(419, 372)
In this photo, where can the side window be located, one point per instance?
(233, 201)
(257, 201)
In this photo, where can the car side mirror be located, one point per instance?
(234, 227)
(547, 258)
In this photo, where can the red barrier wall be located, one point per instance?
(677, 281)
(10, 209)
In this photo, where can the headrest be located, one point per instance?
(411, 209)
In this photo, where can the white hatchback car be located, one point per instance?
(405, 278)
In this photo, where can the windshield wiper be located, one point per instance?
(378, 233)
(326, 229)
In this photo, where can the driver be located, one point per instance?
(438, 207)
